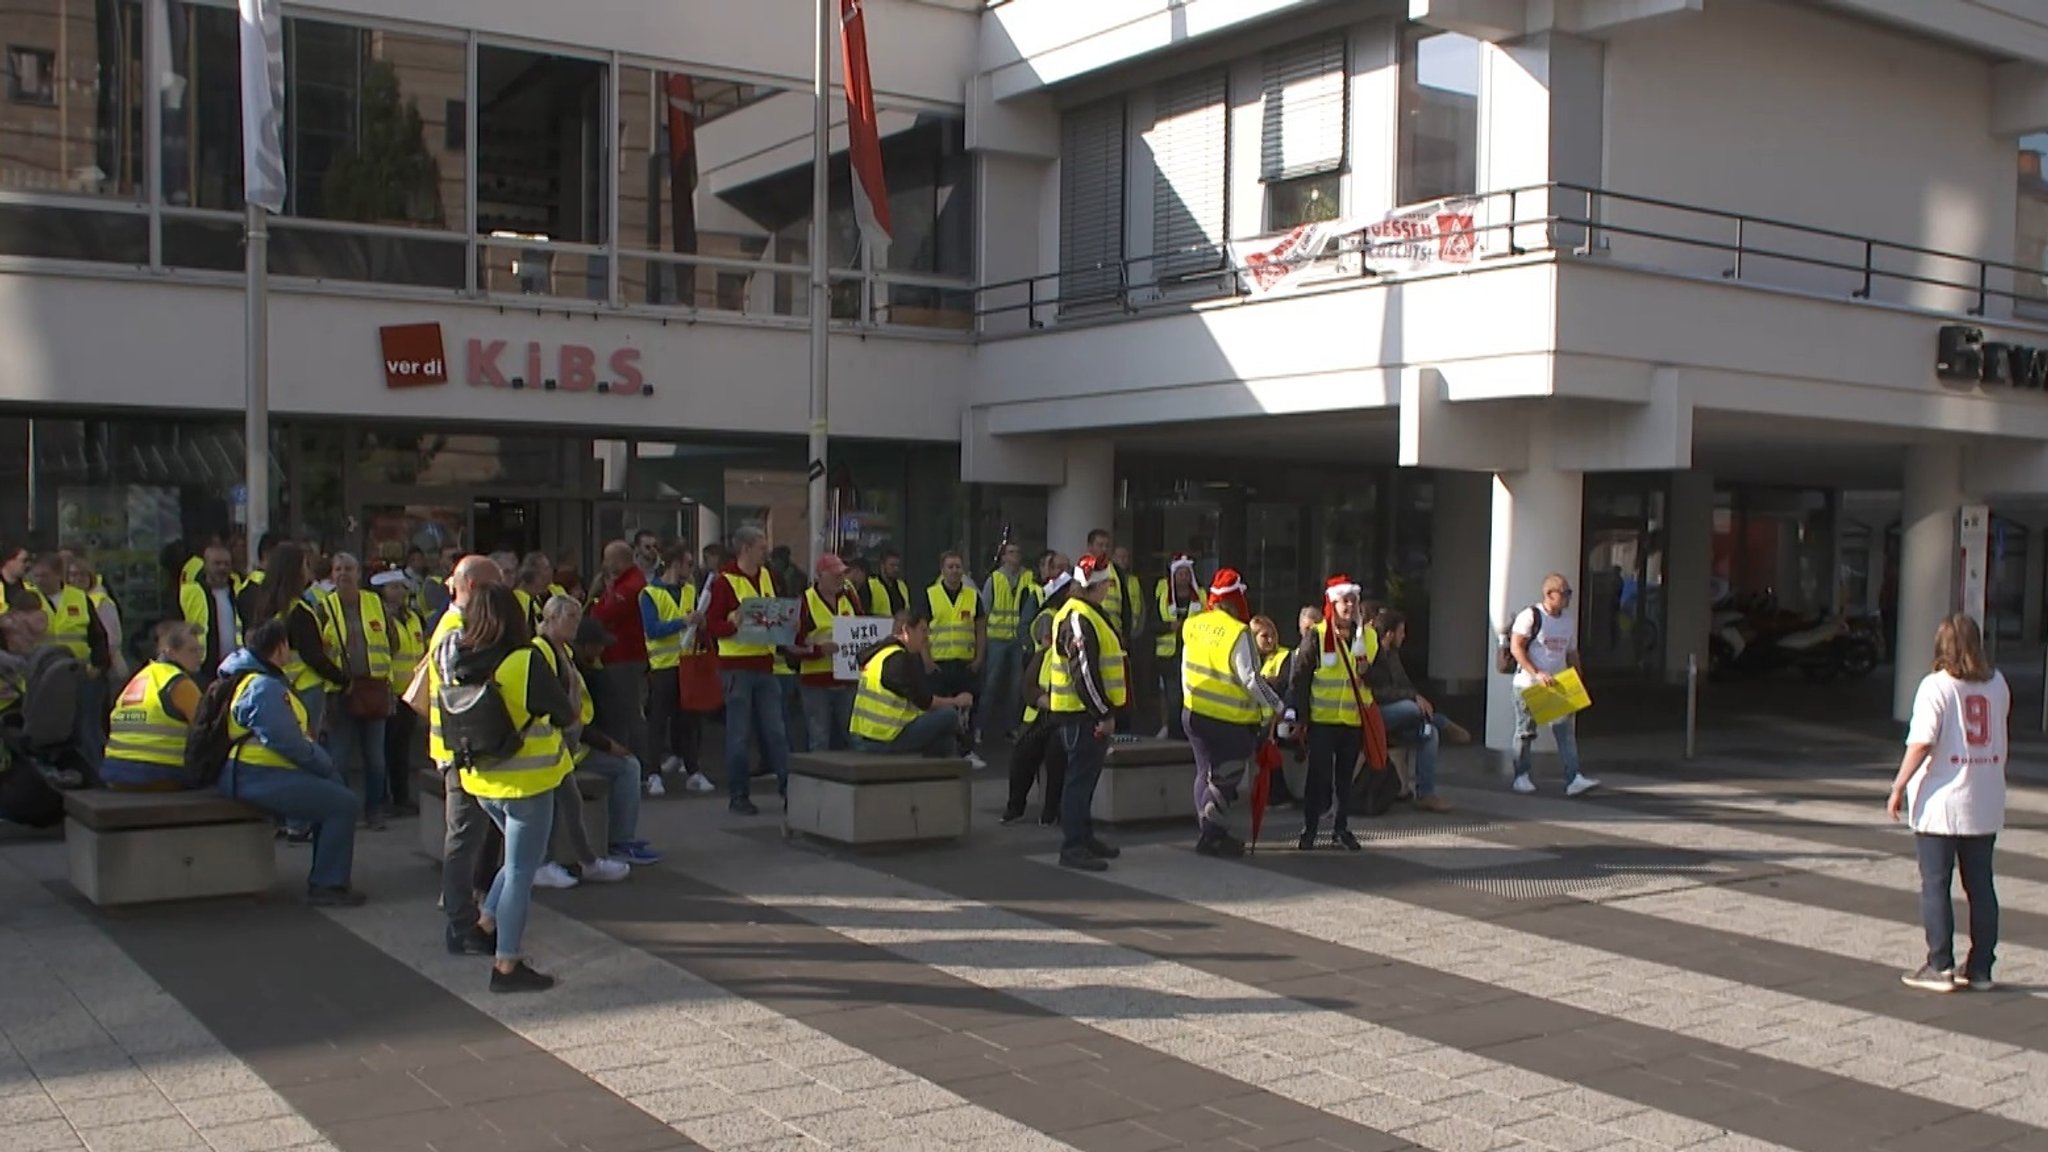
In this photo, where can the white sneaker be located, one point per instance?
(1524, 785)
(607, 870)
(975, 761)
(1581, 785)
(672, 764)
(697, 783)
(553, 875)
(654, 787)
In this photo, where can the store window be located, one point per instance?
(1439, 141)
(1304, 93)
(931, 209)
(2031, 235)
(542, 148)
(1621, 591)
(71, 126)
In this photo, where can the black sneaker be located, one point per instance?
(1221, 844)
(1101, 851)
(334, 897)
(1349, 841)
(1930, 979)
(1307, 843)
(1011, 816)
(1083, 862)
(1974, 983)
(520, 979)
(743, 808)
(475, 942)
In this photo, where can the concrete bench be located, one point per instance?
(864, 801)
(1146, 781)
(146, 847)
(431, 792)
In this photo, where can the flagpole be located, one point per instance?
(256, 421)
(263, 192)
(821, 285)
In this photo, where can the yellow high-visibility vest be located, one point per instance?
(821, 628)
(1330, 699)
(376, 632)
(70, 617)
(1208, 686)
(1066, 695)
(887, 597)
(952, 621)
(1276, 664)
(408, 644)
(450, 622)
(243, 745)
(531, 605)
(191, 570)
(745, 589)
(1044, 685)
(1006, 603)
(667, 652)
(297, 672)
(1168, 643)
(141, 729)
(542, 759)
(879, 714)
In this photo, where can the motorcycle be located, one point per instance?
(1757, 639)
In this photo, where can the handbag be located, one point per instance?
(698, 688)
(418, 695)
(368, 698)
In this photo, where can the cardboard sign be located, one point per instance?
(1549, 703)
(768, 622)
(857, 636)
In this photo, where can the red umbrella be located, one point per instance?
(1267, 762)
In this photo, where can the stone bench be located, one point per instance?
(146, 847)
(1146, 781)
(431, 792)
(864, 801)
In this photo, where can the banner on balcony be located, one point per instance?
(1423, 236)
(1417, 238)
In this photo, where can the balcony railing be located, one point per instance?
(1573, 220)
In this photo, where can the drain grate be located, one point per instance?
(1552, 878)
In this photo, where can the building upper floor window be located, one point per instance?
(2030, 241)
(1439, 144)
(1303, 89)
(1091, 202)
(1190, 146)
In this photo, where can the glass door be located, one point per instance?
(1274, 568)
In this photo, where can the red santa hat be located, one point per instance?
(1336, 588)
(1227, 591)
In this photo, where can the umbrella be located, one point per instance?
(1265, 762)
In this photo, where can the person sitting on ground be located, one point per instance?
(274, 764)
(153, 716)
(894, 711)
(1406, 712)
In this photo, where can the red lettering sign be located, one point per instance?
(414, 356)
(563, 368)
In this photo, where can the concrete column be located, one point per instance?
(1541, 111)
(1928, 551)
(2030, 596)
(1085, 500)
(1537, 517)
(1460, 639)
(1688, 572)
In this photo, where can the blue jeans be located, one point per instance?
(526, 823)
(753, 704)
(351, 742)
(827, 714)
(1564, 730)
(935, 733)
(301, 797)
(314, 701)
(999, 703)
(1085, 754)
(1404, 718)
(1939, 856)
(622, 804)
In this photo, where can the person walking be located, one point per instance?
(1227, 705)
(1089, 685)
(753, 699)
(1950, 789)
(1543, 641)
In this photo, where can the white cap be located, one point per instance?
(1087, 575)
(1058, 583)
(386, 579)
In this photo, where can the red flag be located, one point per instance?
(682, 161)
(864, 143)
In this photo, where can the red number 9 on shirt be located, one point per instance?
(1976, 720)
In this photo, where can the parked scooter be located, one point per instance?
(1756, 640)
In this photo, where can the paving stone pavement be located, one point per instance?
(1705, 957)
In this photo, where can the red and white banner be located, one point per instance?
(681, 93)
(1424, 236)
(1418, 238)
(864, 142)
(1272, 263)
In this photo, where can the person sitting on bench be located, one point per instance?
(146, 740)
(894, 711)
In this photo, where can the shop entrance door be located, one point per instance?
(505, 525)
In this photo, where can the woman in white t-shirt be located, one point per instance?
(1951, 791)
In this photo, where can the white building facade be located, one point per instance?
(1712, 249)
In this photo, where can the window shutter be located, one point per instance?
(1302, 131)
(1190, 166)
(1091, 201)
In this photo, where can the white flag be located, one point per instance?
(263, 103)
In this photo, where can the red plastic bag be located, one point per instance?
(698, 684)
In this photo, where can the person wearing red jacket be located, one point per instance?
(753, 700)
(623, 673)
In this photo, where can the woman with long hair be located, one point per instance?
(1950, 789)
(515, 791)
(283, 594)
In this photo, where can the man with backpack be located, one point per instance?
(1542, 642)
(252, 739)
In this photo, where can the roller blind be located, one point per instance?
(1302, 130)
(1189, 141)
(1091, 200)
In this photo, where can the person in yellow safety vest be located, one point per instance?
(753, 699)
(1266, 646)
(274, 763)
(80, 572)
(75, 626)
(827, 700)
(356, 634)
(668, 610)
(1038, 742)
(153, 714)
(1011, 594)
(1088, 686)
(959, 637)
(208, 605)
(1124, 609)
(1326, 680)
(536, 584)
(1228, 705)
(468, 829)
(408, 644)
(894, 710)
(286, 593)
(1178, 599)
(888, 592)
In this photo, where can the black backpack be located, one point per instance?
(1504, 656)
(49, 702)
(476, 724)
(207, 742)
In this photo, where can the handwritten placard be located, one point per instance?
(857, 636)
(767, 622)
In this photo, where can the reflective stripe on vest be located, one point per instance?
(952, 621)
(70, 618)
(245, 747)
(1330, 700)
(744, 589)
(667, 651)
(1168, 643)
(1006, 603)
(879, 714)
(1066, 696)
(376, 632)
(821, 626)
(542, 759)
(141, 728)
(1208, 687)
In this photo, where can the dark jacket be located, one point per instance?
(545, 695)
(1388, 677)
(903, 675)
(1077, 643)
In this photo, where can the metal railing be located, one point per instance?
(1573, 219)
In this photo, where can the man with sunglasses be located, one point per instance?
(1544, 640)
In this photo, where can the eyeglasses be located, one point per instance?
(1564, 592)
